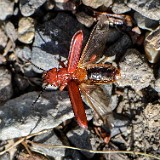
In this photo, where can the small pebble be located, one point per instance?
(26, 30)
(147, 8)
(11, 31)
(12, 34)
(50, 5)
(152, 46)
(135, 72)
(81, 141)
(157, 85)
(50, 139)
(66, 5)
(3, 38)
(145, 23)
(6, 9)
(85, 19)
(120, 7)
(6, 90)
(97, 3)
(28, 8)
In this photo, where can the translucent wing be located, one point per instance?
(99, 101)
(96, 43)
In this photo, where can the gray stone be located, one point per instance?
(81, 138)
(12, 35)
(120, 7)
(145, 23)
(152, 46)
(113, 102)
(24, 53)
(61, 1)
(49, 138)
(119, 122)
(148, 8)
(74, 155)
(120, 126)
(97, 3)
(43, 60)
(23, 155)
(135, 72)
(6, 8)
(6, 90)
(28, 8)
(49, 5)
(157, 85)
(11, 31)
(19, 117)
(3, 38)
(66, 5)
(5, 157)
(85, 19)
(112, 156)
(119, 47)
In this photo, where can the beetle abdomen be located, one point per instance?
(102, 73)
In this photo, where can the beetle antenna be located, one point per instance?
(29, 60)
(37, 66)
(33, 108)
(33, 104)
(41, 36)
(61, 63)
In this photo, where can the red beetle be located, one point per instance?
(83, 74)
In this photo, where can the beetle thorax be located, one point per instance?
(57, 77)
(79, 74)
(50, 77)
(63, 77)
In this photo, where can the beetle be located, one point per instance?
(84, 75)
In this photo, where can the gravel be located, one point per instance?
(28, 8)
(96, 4)
(6, 90)
(148, 8)
(6, 9)
(26, 30)
(36, 35)
(135, 71)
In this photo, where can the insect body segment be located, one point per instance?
(102, 73)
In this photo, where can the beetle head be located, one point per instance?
(51, 77)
